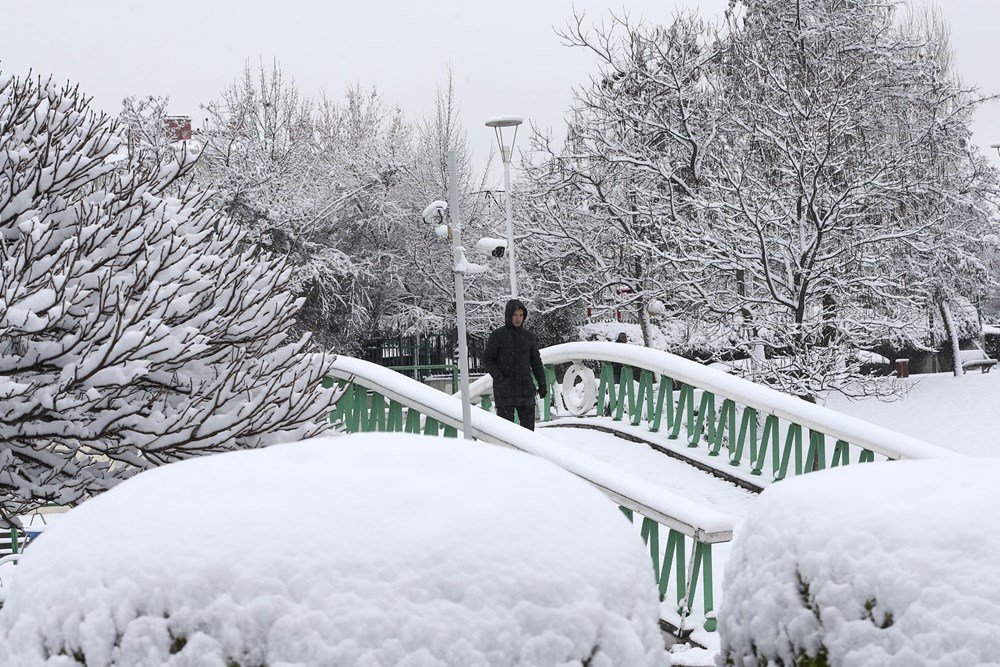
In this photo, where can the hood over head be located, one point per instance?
(508, 312)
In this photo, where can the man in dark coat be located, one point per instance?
(511, 357)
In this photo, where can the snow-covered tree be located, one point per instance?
(364, 145)
(260, 160)
(802, 184)
(146, 130)
(951, 264)
(313, 181)
(426, 299)
(260, 142)
(604, 205)
(134, 331)
(839, 161)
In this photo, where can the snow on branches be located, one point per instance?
(801, 179)
(133, 330)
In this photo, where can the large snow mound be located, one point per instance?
(367, 550)
(874, 565)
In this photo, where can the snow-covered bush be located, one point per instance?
(133, 329)
(399, 550)
(868, 566)
(685, 337)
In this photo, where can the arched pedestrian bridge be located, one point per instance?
(672, 420)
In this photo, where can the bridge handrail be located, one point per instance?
(703, 524)
(856, 431)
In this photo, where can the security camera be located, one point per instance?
(494, 247)
(434, 213)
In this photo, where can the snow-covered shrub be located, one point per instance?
(868, 566)
(684, 337)
(398, 550)
(134, 331)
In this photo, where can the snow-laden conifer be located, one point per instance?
(135, 330)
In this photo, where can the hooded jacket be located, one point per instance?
(512, 357)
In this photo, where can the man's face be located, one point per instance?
(518, 317)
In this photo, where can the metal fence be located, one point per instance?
(420, 356)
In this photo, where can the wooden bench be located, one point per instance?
(976, 358)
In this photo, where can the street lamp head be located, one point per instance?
(997, 147)
(501, 125)
(504, 121)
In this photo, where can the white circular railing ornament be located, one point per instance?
(579, 390)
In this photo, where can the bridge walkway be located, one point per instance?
(636, 456)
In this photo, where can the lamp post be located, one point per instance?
(434, 215)
(499, 125)
(459, 259)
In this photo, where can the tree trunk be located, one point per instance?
(644, 320)
(949, 325)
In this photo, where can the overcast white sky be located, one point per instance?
(505, 55)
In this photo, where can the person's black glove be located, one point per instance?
(542, 391)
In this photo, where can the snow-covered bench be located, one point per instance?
(7, 542)
(976, 358)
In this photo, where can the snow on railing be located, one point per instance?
(677, 394)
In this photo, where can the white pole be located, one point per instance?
(505, 154)
(456, 251)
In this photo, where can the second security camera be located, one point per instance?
(494, 247)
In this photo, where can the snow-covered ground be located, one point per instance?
(960, 413)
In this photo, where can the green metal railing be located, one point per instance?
(449, 368)
(671, 559)
(742, 426)
(744, 434)
(676, 566)
(360, 410)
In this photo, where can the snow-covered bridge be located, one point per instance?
(698, 444)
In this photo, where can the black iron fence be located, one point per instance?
(416, 354)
